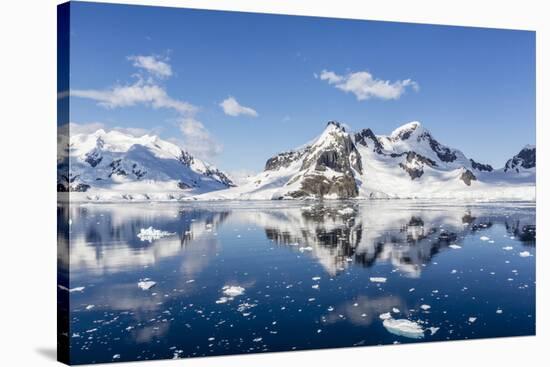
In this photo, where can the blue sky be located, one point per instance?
(169, 70)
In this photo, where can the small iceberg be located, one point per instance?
(524, 254)
(233, 290)
(151, 234)
(455, 247)
(484, 238)
(378, 279)
(404, 327)
(146, 284)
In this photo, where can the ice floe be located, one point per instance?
(524, 254)
(233, 290)
(404, 327)
(455, 247)
(472, 319)
(151, 234)
(385, 316)
(146, 284)
(484, 238)
(378, 279)
(507, 248)
(425, 307)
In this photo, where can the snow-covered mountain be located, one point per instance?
(112, 165)
(408, 163)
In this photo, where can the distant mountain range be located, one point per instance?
(114, 165)
(408, 163)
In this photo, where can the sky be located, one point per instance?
(237, 88)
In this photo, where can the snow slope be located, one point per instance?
(111, 165)
(408, 163)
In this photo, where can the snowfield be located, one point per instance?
(409, 163)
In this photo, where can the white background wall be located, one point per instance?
(27, 179)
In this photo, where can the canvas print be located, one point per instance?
(234, 183)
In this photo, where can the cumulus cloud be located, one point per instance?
(140, 92)
(147, 91)
(365, 86)
(197, 139)
(153, 65)
(231, 107)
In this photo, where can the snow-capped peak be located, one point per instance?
(405, 131)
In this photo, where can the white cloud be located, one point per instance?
(364, 86)
(231, 107)
(197, 139)
(153, 65)
(138, 93)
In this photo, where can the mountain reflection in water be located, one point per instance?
(330, 269)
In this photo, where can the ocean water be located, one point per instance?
(155, 281)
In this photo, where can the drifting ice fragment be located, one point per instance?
(425, 307)
(484, 238)
(524, 254)
(146, 284)
(472, 319)
(385, 316)
(403, 327)
(378, 279)
(455, 247)
(233, 290)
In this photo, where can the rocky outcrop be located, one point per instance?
(284, 159)
(367, 138)
(467, 177)
(480, 166)
(525, 159)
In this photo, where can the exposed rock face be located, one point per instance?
(329, 165)
(481, 166)
(283, 160)
(414, 164)
(467, 177)
(367, 138)
(443, 153)
(525, 159)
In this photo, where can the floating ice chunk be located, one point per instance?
(330, 308)
(378, 279)
(484, 238)
(315, 286)
(453, 271)
(303, 249)
(146, 284)
(425, 307)
(76, 289)
(507, 248)
(499, 311)
(316, 278)
(116, 356)
(151, 234)
(395, 310)
(222, 300)
(433, 330)
(232, 290)
(455, 247)
(89, 307)
(385, 316)
(257, 340)
(411, 290)
(524, 254)
(471, 320)
(404, 327)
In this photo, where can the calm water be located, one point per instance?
(303, 276)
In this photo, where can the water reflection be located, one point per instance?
(304, 275)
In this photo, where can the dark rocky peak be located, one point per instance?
(367, 138)
(526, 159)
(336, 125)
(480, 166)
